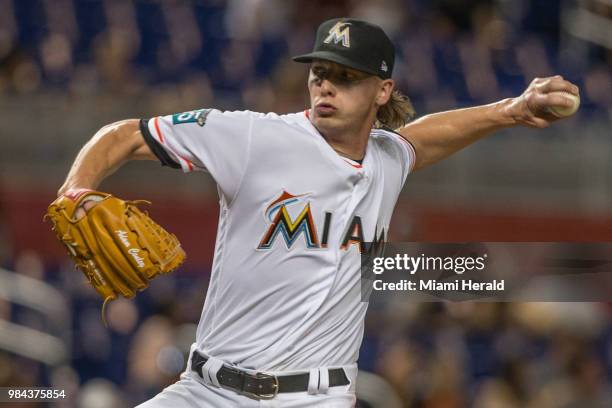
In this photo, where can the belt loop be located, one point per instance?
(210, 369)
(313, 381)
(323, 380)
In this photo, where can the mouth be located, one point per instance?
(325, 109)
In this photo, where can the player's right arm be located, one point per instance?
(110, 148)
(201, 140)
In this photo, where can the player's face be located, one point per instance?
(341, 98)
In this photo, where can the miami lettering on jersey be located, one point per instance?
(283, 224)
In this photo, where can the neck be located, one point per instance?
(350, 142)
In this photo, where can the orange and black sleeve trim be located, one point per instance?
(155, 147)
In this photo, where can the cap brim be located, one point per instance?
(330, 56)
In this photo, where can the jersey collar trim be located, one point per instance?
(348, 161)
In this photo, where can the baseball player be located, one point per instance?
(299, 194)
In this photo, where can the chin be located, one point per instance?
(327, 122)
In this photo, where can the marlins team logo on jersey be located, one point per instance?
(290, 220)
(288, 226)
(339, 33)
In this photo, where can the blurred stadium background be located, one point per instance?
(67, 67)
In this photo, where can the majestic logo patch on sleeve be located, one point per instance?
(197, 116)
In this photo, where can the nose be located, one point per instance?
(327, 88)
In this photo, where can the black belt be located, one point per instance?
(264, 386)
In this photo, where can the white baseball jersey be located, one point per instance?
(285, 283)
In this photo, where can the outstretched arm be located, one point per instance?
(108, 149)
(439, 135)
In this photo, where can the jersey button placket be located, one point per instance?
(360, 189)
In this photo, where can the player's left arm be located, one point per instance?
(439, 135)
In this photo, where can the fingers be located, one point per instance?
(541, 97)
(537, 122)
(557, 99)
(555, 84)
(89, 204)
(83, 208)
(79, 213)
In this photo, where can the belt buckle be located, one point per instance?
(261, 396)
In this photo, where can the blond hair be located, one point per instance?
(396, 113)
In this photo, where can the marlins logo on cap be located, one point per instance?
(340, 32)
(353, 43)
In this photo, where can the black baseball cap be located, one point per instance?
(354, 43)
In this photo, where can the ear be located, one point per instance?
(384, 91)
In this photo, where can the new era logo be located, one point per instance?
(383, 66)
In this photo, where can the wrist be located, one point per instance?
(505, 112)
(73, 187)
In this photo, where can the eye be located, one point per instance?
(346, 78)
(319, 72)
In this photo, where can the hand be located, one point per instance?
(120, 249)
(532, 107)
(81, 211)
(73, 188)
(85, 206)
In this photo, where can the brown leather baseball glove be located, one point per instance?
(118, 247)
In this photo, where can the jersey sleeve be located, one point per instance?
(203, 140)
(407, 152)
